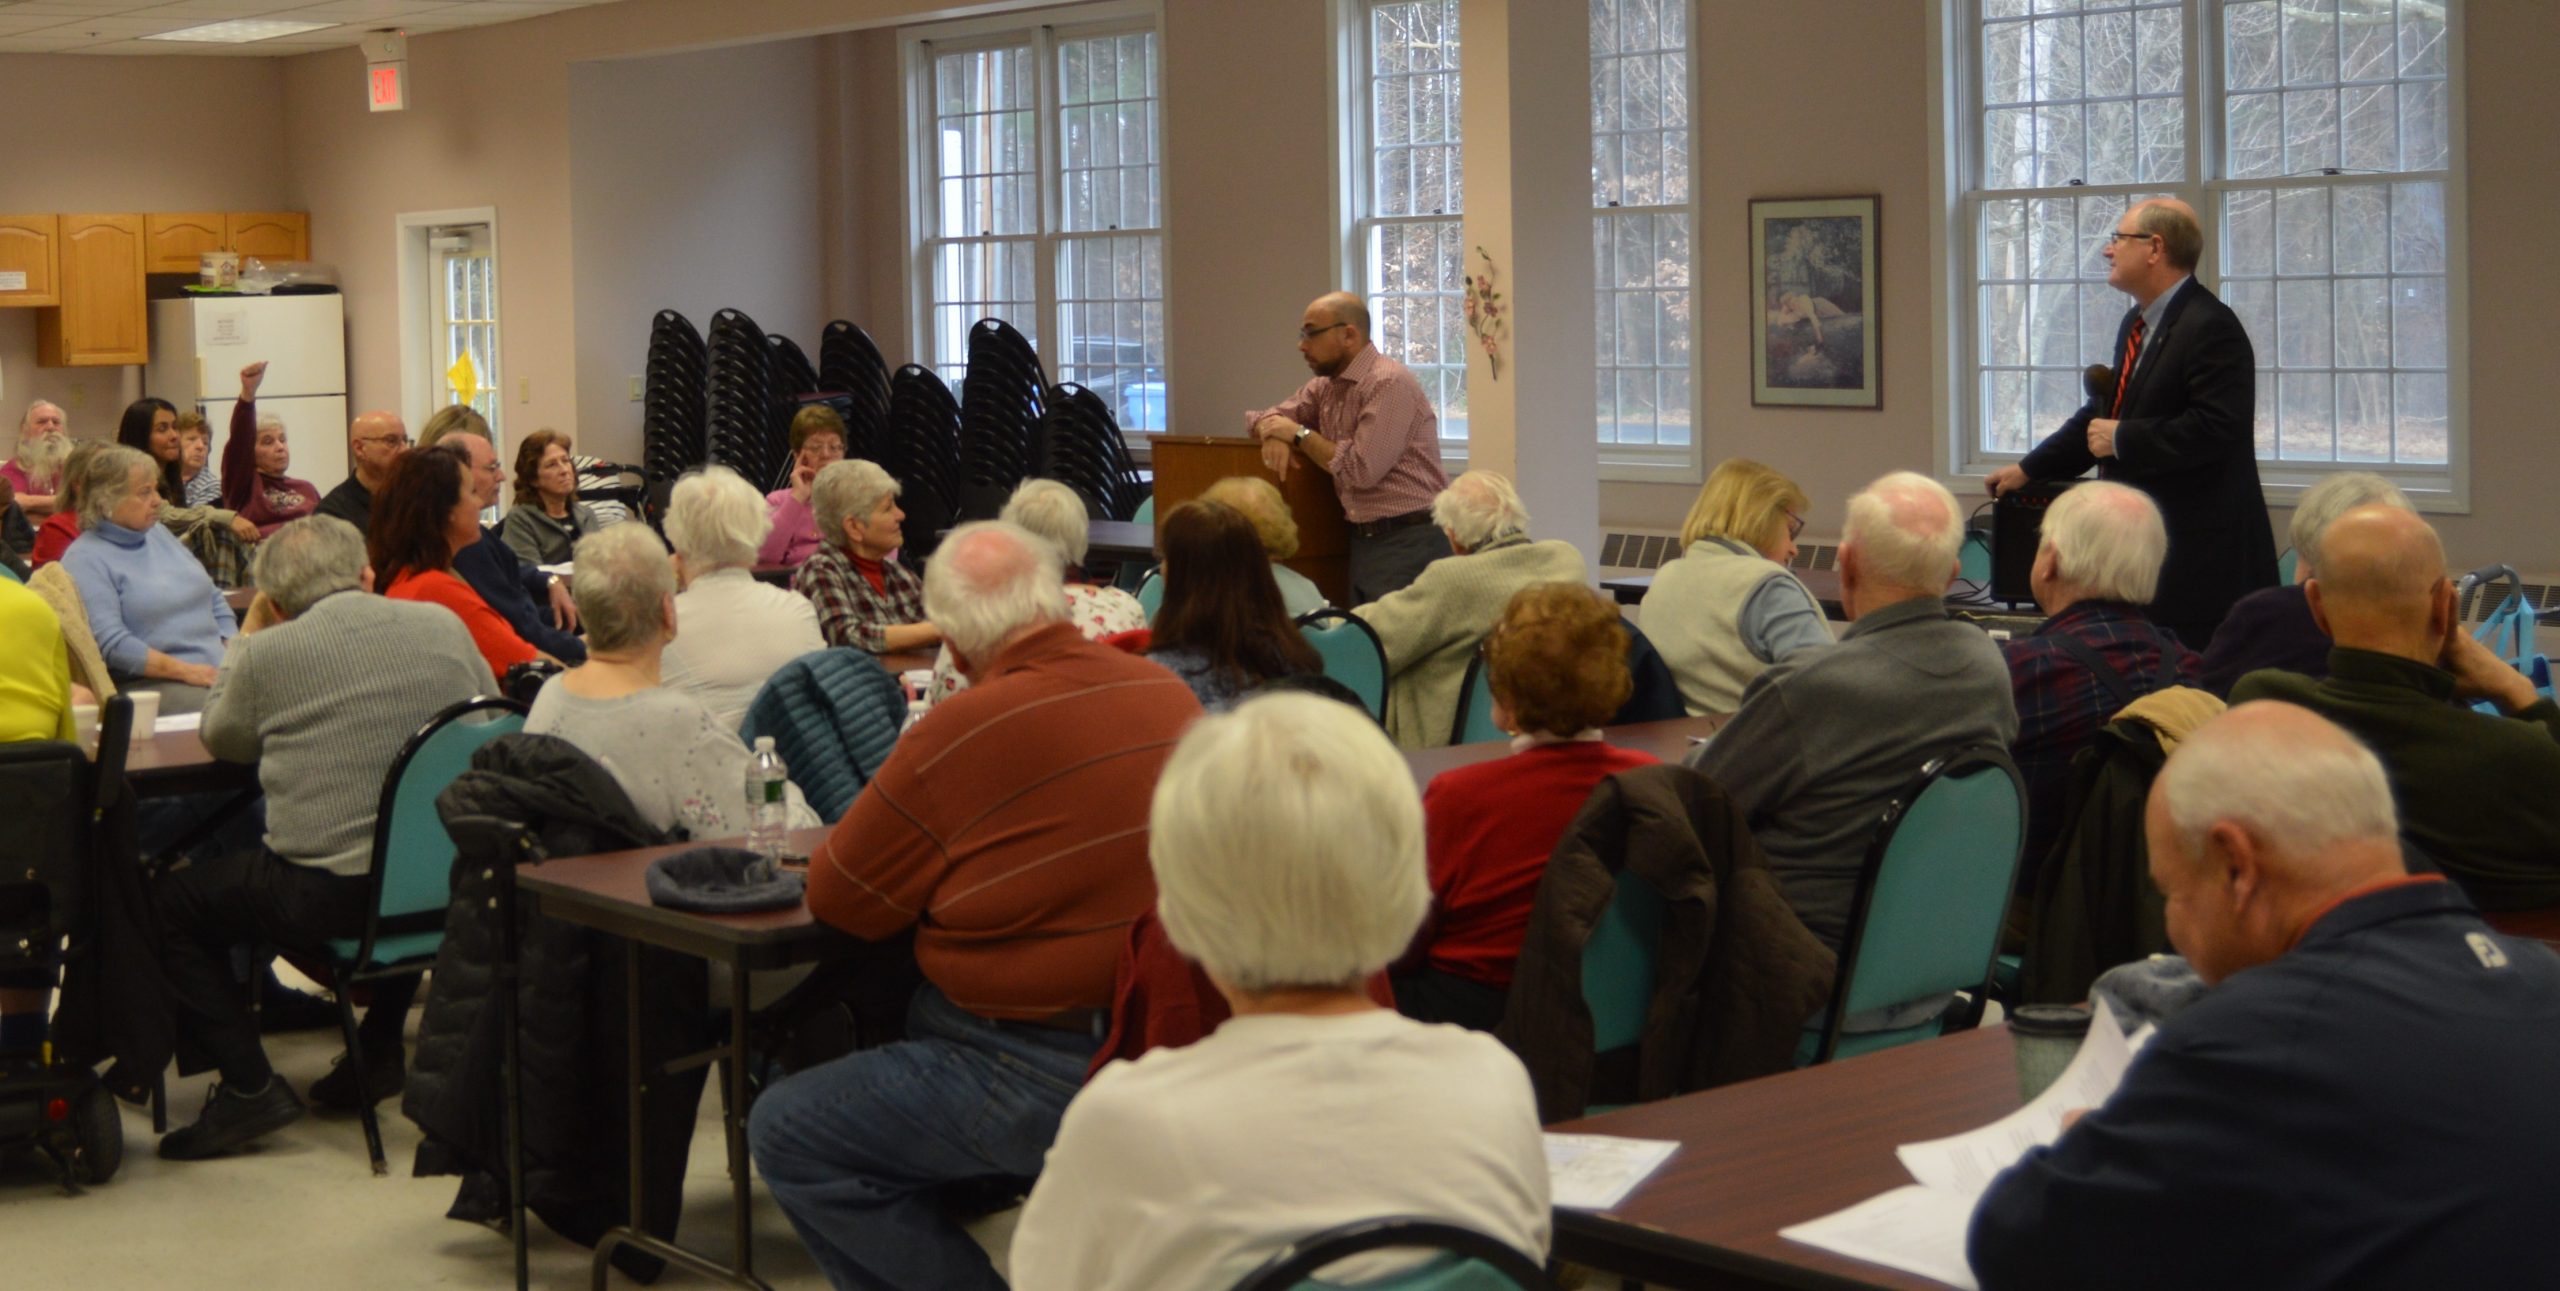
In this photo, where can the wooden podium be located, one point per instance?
(1186, 465)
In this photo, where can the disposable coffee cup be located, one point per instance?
(146, 710)
(84, 722)
(2048, 1036)
(917, 681)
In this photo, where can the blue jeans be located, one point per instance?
(853, 1149)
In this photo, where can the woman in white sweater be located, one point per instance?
(1727, 608)
(1286, 840)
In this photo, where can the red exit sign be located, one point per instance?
(388, 86)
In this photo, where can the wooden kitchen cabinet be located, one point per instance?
(28, 246)
(176, 241)
(268, 235)
(100, 320)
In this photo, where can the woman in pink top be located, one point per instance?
(817, 438)
(254, 460)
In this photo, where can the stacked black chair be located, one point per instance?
(671, 406)
(1000, 405)
(794, 383)
(922, 449)
(850, 365)
(1081, 447)
(738, 420)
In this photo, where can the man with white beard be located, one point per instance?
(35, 474)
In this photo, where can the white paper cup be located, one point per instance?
(146, 710)
(84, 723)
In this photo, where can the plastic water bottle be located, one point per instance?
(768, 808)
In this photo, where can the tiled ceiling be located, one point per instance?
(119, 26)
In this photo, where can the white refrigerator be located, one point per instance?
(199, 344)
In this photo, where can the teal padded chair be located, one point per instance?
(833, 715)
(1352, 654)
(1151, 592)
(2284, 567)
(1131, 572)
(1469, 1260)
(411, 873)
(1474, 723)
(1931, 894)
(1618, 965)
(1973, 559)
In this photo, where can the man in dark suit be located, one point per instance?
(2178, 424)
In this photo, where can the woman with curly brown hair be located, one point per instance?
(1557, 665)
(548, 519)
(425, 512)
(1221, 627)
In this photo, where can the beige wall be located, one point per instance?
(126, 134)
(695, 186)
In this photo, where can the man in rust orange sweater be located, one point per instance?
(1009, 829)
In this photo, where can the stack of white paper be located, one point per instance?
(1920, 1228)
(1597, 1171)
(177, 722)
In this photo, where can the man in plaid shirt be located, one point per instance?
(864, 599)
(2095, 570)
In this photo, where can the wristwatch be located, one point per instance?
(1301, 436)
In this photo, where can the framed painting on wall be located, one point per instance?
(1814, 331)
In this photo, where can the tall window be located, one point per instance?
(1407, 201)
(1640, 231)
(2312, 138)
(1041, 207)
(466, 313)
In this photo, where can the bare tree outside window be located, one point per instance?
(1640, 225)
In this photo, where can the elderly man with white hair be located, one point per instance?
(35, 474)
(1287, 845)
(1008, 833)
(1829, 734)
(323, 686)
(2272, 627)
(732, 632)
(2363, 1099)
(2097, 651)
(1431, 628)
(680, 765)
(864, 599)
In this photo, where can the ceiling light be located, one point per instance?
(241, 31)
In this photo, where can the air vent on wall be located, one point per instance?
(1645, 552)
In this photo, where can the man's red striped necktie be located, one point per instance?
(2124, 370)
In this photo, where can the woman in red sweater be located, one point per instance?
(425, 512)
(254, 461)
(1557, 664)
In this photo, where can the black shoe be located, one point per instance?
(232, 1120)
(383, 1077)
(282, 1008)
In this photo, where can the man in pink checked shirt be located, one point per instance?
(1364, 420)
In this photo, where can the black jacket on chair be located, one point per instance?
(571, 1000)
(2187, 437)
(1737, 972)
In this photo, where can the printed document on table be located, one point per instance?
(177, 722)
(1914, 1229)
(1920, 1228)
(1966, 1163)
(1597, 1171)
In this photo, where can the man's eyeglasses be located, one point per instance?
(396, 441)
(1310, 333)
(2121, 237)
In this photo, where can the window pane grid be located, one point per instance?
(979, 278)
(1110, 165)
(986, 144)
(1642, 327)
(2340, 281)
(471, 323)
(1111, 323)
(1418, 309)
(1413, 255)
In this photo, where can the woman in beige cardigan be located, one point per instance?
(1727, 608)
(1431, 628)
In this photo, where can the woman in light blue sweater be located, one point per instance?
(159, 621)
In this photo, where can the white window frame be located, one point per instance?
(420, 388)
(1657, 463)
(1955, 121)
(917, 48)
(1352, 180)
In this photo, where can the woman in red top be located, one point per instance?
(425, 512)
(1557, 665)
